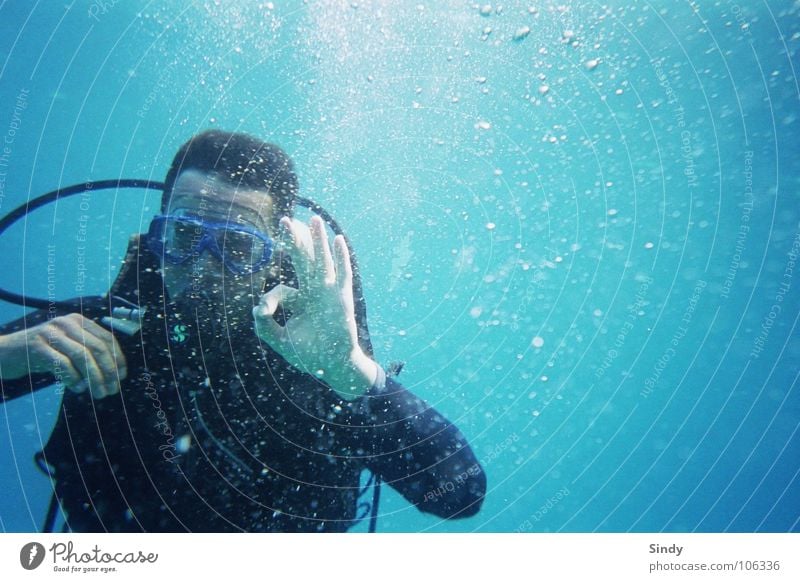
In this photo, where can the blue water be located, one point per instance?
(578, 226)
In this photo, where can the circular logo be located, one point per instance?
(179, 334)
(31, 555)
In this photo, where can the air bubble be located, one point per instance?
(183, 444)
(522, 33)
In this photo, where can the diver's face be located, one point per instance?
(204, 196)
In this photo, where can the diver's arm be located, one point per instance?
(421, 454)
(11, 388)
(36, 351)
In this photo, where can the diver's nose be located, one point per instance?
(207, 264)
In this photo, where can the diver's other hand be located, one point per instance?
(76, 350)
(321, 337)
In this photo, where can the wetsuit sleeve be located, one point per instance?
(11, 389)
(421, 454)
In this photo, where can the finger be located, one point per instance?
(82, 360)
(93, 355)
(49, 359)
(299, 236)
(267, 329)
(322, 250)
(280, 295)
(97, 347)
(303, 235)
(300, 247)
(344, 266)
(118, 364)
(286, 234)
(103, 347)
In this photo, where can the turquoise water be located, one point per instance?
(577, 222)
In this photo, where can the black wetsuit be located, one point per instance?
(213, 431)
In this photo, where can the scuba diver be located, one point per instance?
(226, 381)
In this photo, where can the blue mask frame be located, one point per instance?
(207, 237)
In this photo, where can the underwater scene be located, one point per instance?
(576, 226)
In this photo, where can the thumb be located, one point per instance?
(280, 295)
(267, 328)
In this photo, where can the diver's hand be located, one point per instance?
(321, 337)
(76, 350)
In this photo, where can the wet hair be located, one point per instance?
(240, 160)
